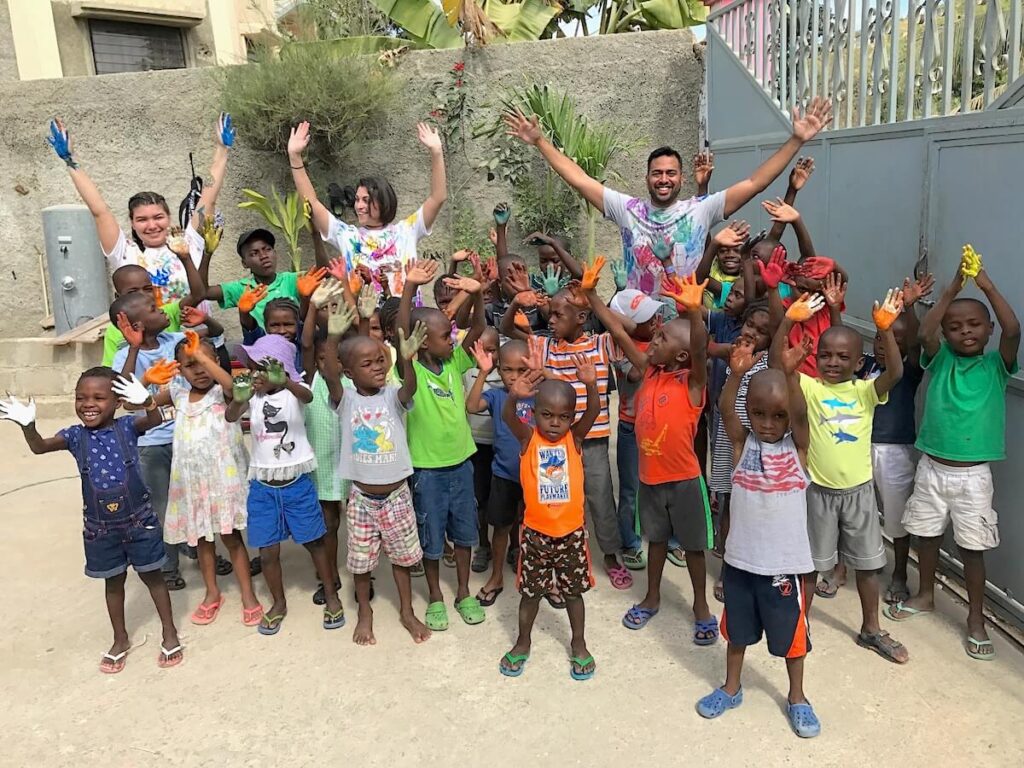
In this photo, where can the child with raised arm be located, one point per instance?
(962, 432)
(441, 443)
(282, 501)
(553, 545)
(505, 500)
(206, 496)
(842, 514)
(767, 550)
(121, 528)
(673, 499)
(375, 457)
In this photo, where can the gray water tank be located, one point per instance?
(79, 286)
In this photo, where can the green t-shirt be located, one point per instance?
(965, 408)
(439, 434)
(285, 286)
(113, 339)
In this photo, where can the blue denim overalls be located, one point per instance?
(119, 525)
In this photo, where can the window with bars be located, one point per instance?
(119, 46)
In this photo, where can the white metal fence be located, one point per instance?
(880, 61)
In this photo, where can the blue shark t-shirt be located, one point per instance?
(841, 417)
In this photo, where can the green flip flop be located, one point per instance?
(514, 664)
(470, 611)
(582, 663)
(892, 611)
(436, 617)
(979, 644)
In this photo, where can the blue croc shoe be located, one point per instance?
(803, 721)
(717, 702)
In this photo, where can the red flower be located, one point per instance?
(459, 66)
(435, 113)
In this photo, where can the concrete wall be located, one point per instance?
(8, 59)
(135, 131)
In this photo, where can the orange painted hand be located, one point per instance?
(191, 343)
(522, 322)
(131, 333)
(160, 373)
(686, 291)
(592, 274)
(526, 299)
(251, 296)
(804, 308)
(885, 315)
(308, 282)
(577, 296)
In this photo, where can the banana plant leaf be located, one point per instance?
(673, 14)
(424, 21)
(521, 21)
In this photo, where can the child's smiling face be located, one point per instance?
(95, 402)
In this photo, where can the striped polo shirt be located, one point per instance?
(558, 362)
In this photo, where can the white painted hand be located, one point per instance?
(131, 390)
(17, 411)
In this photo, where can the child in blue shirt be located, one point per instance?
(505, 501)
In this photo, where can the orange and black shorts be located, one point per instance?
(769, 605)
(546, 562)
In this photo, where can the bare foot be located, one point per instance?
(363, 634)
(414, 627)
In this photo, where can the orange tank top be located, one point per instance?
(552, 478)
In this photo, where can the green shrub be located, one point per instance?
(340, 97)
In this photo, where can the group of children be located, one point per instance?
(484, 423)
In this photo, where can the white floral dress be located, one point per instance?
(208, 487)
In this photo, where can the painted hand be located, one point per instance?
(340, 318)
(619, 274)
(522, 322)
(585, 371)
(177, 243)
(526, 299)
(367, 302)
(805, 307)
(592, 274)
(490, 270)
(337, 269)
(484, 359)
(132, 332)
(687, 293)
(773, 272)
(274, 372)
(210, 231)
(970, 263)
(518, 279)
(241, 388)
(191, 343)
(161, 372)
(408, 347)
(131, 390)
(14, 410)
(328, 292)
(251, 296)
(60, 140)
(225, 130)
(308, 282)
(552, 280)
(886, 314)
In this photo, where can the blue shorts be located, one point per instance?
(279, 512)
(111, 547)
(445, 503)
(773, 605)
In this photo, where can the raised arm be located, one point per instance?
(419, 273)
(741, 360)
(407, 349)
(884, 316)
(805, 128)
(1009, 325)
(24, 415)
(615, 326)
(799, 311)
(212, 367)
(479, 321)
(475, 402)
(931, 325)
(525, 386)
(529, 132)
(501, 212)
(297, 143)
(224, 139)
(834, 291)
(107, 228)
(797, 178)
(732, 236)
(438, 183)
(587, 374)
(913, 291)
(787, 214)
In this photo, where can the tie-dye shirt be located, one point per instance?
(649, 233)
(385, 251)
(163, 265)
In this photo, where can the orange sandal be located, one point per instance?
(252, 616)
(207, 614)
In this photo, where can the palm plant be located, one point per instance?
(288, 215)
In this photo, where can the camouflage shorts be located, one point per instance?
(546, 562)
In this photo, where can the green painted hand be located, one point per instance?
(553, 280)
(619, 274)
(502, 212)
(241, 390)
(408, 347)
(275, 373)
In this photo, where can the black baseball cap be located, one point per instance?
(255, 234)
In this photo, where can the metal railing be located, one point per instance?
(880, 61)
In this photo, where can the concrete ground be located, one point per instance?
(310, 697)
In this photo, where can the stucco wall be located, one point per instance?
(135, 131)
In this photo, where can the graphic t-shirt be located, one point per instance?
(163, 265)
(385, 251)
(895, 420)
(965, 408)
(650, 234)
(284, 286)
(552, 478)
(558, 361)
(666, 424)
(374, 447)
(106, 462)
(439, 434)
(113, 339)
(506, 444)
(840, 417)
(166, 342)
(280, 448)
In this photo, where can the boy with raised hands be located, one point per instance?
(842, 513)
(962, 432)
(672, 499)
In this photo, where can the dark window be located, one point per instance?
(119, 46)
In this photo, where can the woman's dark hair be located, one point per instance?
(383, 195)
(145, 198)
(282, 303)
(663, 152)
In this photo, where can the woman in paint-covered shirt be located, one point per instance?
(150, 218)
(379, 243)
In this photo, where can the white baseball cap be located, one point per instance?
(636, 305)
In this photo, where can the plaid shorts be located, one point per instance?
(546, 562)
(375, 521)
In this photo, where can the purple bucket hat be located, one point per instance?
(275, 347)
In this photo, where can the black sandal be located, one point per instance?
(556, 601)
(174, 582)
(318, 597)
(224, 566)
(255, 566)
